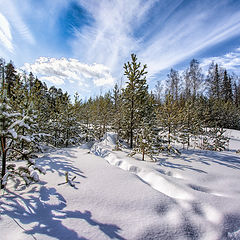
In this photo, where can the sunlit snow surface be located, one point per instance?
(193, 196)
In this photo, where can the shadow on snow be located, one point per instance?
(46, 218)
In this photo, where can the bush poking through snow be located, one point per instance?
(28, 174)
(215, 140)
(68, 180)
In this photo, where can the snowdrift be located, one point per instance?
(114, 196)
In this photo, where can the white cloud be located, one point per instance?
(109, 39)
(229, 61)
(53, 79)
(170, 34)
(58, 71)
(189, 32)
(5, 33)
(10, 11)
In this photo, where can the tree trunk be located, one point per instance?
(55, 138)
(67, 138)
(22, 145)
(169, 133)
(143, 154)
(131, 127)
(4, 159)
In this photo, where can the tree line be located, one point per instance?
(190, 110)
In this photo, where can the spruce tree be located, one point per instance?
(227, 88)
(214, 81)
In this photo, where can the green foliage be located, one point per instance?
(215, 139)
(135, 97)
(193, 113)
(168, 119)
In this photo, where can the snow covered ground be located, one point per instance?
(192, 196)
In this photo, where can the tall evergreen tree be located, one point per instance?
(168, 119)
(227, 88)
(134, 96)
(214, 81)
(117, 116)
(10, 77)
(11, 125)
(148, 141)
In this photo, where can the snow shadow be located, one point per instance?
(231, 225)
(110, 230)
(187, 231)
(38, 214)
(199, 188)
(221, 158)
(225, 158)
(179, 166)
(44, 215)
(60, 164)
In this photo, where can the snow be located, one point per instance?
(13, 133)
(21, 123)
(35, 176)
(114, 196)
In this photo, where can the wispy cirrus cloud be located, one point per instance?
(61, 71)
(190, 30)
(229, 61)
(12, 26)
(5, 33)
(109, 38)
(162, 33)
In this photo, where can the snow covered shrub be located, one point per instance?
(28, 172)
(215, 140)
(18, 141)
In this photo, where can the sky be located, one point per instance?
(82, 45)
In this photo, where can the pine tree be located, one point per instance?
(86, 119)
(10, 77)
(168, 121)
(117, 116)
(148, 141)
(190, 122)
(11, 125)
(215, 139)
(134, 97)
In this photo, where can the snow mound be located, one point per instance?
(87, 145)
(110, 139)
(169, 199)
(156, 180)
(153, 178)
(234, 235)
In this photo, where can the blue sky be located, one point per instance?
(81, 45)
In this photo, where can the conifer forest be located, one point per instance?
(192, 110)
(119, 120)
